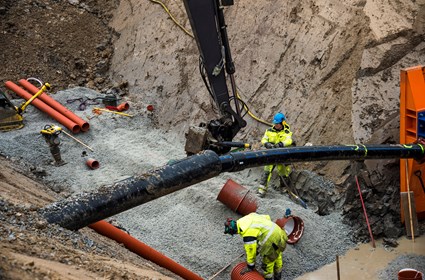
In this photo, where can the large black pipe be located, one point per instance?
(84, 209)
(238, 161)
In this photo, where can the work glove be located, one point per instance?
(268, 145)
(279, 145)
(247, 269)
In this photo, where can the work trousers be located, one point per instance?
(272, 267)
(282, 171)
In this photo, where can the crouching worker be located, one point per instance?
(260, 235)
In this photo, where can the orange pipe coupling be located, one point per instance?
(142, 249)
(123, 106)
(92, 163)
(84, 126)
(72, 126)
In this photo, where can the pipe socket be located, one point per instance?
(92, 163)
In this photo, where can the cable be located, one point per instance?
(37, 80)
(171, 16)
(251, 114)
(203, 75)
(201, 66)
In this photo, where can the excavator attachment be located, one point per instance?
(10, 119)
(206, 18)
(204, 137)
(10, 115)
(196, 140)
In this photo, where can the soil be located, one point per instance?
(331, 66)
(34, 249)
(67, 44)
(64, 43)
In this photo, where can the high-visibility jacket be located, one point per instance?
(276, 136)
(259, 230)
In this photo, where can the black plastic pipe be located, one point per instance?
(84, 209)
(238, 161)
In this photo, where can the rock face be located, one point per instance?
(331, 66)
(326, 64)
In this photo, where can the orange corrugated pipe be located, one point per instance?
(142, 249)
(56, 105)
(72, 126)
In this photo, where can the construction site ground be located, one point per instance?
(186, 226)
(86, 49)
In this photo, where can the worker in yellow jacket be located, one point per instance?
(260, 235)
(278, 136)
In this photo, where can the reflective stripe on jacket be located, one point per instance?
(257, 229)
(276, 136)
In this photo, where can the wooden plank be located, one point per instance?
(407, 220)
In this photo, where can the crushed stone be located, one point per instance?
(414, 262)
(186, 226)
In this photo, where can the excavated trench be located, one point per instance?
(153, 66)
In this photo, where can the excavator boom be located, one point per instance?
(208, 26)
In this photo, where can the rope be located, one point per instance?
(172, 17)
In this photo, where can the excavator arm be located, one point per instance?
(209, 29)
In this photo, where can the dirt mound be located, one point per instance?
(32, 248)
(64, 43)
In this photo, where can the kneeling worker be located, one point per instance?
(259, 231)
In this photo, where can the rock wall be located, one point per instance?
(326, 64)
(331, 66)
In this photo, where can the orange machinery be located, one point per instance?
(412, 128)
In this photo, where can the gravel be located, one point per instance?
(186, 226)
(413, 262)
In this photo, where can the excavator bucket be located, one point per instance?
(196, 140)
(10, 119)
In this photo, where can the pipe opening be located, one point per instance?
(92, 163)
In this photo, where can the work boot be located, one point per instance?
(264, 177)
(284, 181)
(277, 276)
(261, 192)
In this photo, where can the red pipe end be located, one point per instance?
(92, 163)
(410, 274)
(123, 106)
(293, 226)
(150, 108)
(75, 129)
(251, 275)
(85, 126)
(238, 198)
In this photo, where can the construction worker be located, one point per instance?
(278, 136)
(260, 235)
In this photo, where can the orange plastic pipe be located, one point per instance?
(92, 163)
(72, 126)
(56, 105)
(142, 249)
